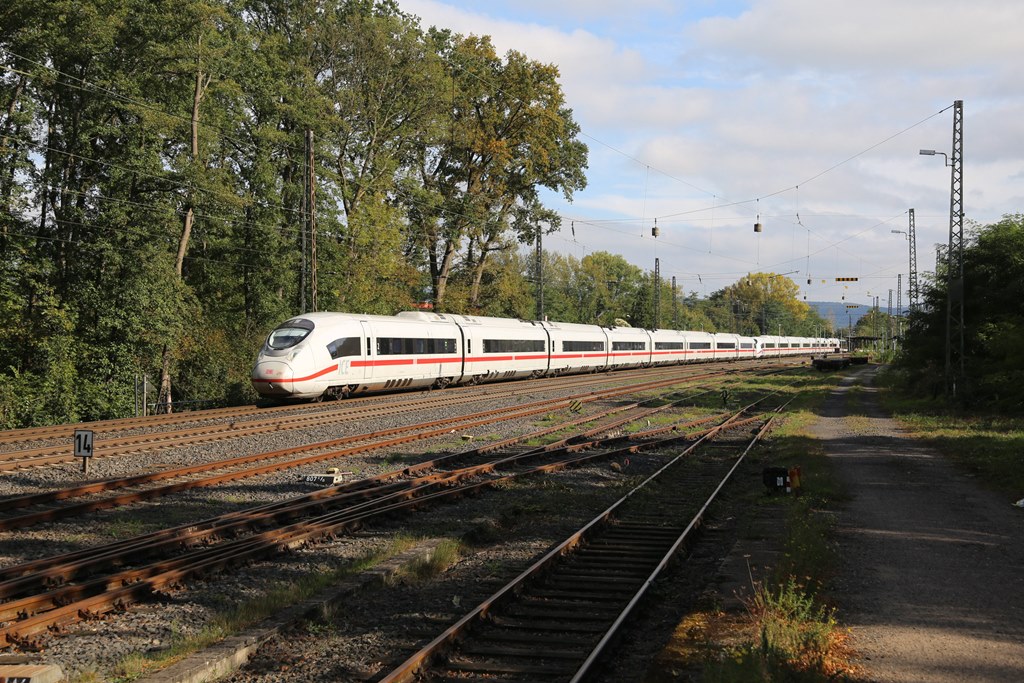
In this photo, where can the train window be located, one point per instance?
(783, 346)
(513, 345)
(769, 346)
(669, 345)
(346, 346)
(582, 346)
(700, 345)
(628, 346)
(746, 345)
(394, 346)
(289, 334)
(726, 345)
(807, 346)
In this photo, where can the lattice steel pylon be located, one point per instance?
(955, 260)
(912, 291)
(899, 295)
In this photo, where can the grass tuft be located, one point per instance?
(790, 638)
(446, 554)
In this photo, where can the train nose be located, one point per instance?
(272, 378)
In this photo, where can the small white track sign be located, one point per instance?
(83, 443)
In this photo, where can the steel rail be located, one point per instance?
(51, 455)
(441, 428)
(125, 423)
(420, 660)
(69, 601)
(56, 570)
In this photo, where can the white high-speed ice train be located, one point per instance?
(324, 355)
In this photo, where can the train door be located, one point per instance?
(367, 349)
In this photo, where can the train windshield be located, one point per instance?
(289, 334)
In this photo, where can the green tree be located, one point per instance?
(994, 320)
(508, 133)
(763, 303)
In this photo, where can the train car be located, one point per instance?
(700, 346)
(768, 346)
(577, 348)
(314, 354)
(727, 346)
(668, 347)
(748, 347)
(631, 347)
(502, 348)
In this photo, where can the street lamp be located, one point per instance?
(932, 152)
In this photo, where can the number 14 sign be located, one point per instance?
(83, 447)
(83, 443)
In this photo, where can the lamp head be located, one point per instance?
(928, 152)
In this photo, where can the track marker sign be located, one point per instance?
(84, 446)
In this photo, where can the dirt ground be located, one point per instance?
(932, 578)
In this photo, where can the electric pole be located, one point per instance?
(955, 259)
(912, 290)
(899, 305)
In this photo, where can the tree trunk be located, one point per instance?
(478, 272)
(202, 81)
(443, 271)
(8, 171)
(186, 231)
(164, 396)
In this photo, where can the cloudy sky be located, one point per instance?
(808, 114)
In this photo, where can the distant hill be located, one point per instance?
(837, 312)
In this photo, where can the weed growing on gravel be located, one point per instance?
(240, 616)
(132, 666)
(90, 675)
(795, 638)
(125, 528)
(446, 554)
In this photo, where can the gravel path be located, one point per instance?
(932, 582)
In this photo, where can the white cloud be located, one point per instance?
(767, 98)
(870, 35)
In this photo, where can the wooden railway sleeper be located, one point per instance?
(523, 635)
(507, 651)
(533, 669)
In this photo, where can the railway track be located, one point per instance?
(229, 425)
(54, 505)
(54, 592)
(103, 428)
(558, 619)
